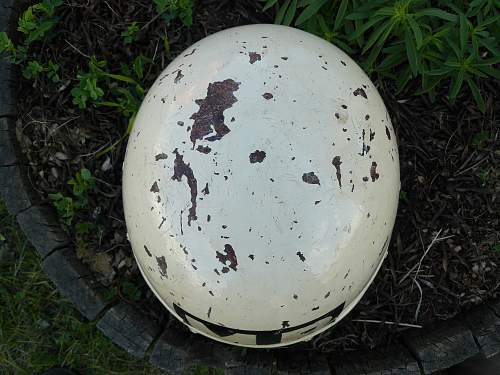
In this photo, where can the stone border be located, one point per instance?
(177, 351)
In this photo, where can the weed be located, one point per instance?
(32, 70)
(171, 9)
(67, 207)
(130, 35)
(35, 24)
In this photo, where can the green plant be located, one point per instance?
(171, 9)
(35, 24)
(435, 42)
(130, 35)
(88, 88)
(81, 184)
(67, 207)
(32, 70)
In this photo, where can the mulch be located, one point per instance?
(442, 258)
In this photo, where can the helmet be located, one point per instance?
(260, 185)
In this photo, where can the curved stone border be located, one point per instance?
(174, 350)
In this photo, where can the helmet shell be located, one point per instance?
(260, 185)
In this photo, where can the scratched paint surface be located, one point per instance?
(260, 185)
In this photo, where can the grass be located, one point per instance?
(39, 329)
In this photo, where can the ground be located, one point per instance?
(444, 254)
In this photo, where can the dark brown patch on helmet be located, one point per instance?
(388, 133)
(373, 172)
(336, 163)
(360, 91)
(301, 256)
(310, 178)
(179, 76)
(161, 156)
(203, 149)
(162, 265)
(147, 251)
(210, 116)
(257, 156)
(267, 96)
(254, 56)
(230, 256)
(183, 169)
(154, 188)
(206, 191)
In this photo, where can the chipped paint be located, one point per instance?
(230, 256)
(162, 265)
(178, 77)
(203, 149)
(183, 169)
(360, 91)
(210, 116)
(336, 163)
(161, 156)
(310, 178)
(154, 188)
(257, 156)
(373, 172)
(254, 56)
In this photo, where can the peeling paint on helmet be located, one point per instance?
(258, 189)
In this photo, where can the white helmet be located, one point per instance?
(261, 185)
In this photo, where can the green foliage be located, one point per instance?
(67, 207)
(81, 184)
(36, 23)
(117, 91)
(32, 70)
(172, 9)
(438, 43)
(88, 88)
(496, 248)
(53, 71)
(38, 20)
(130, 35)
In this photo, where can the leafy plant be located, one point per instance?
(171, 9)
(436, 42)
(81, 184)
(130, 35)
(32, 70)
(35, 24)
(67, 207)
(88, 88)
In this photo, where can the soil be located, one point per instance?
(442, 258)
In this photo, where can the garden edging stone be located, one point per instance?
(431, 349)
